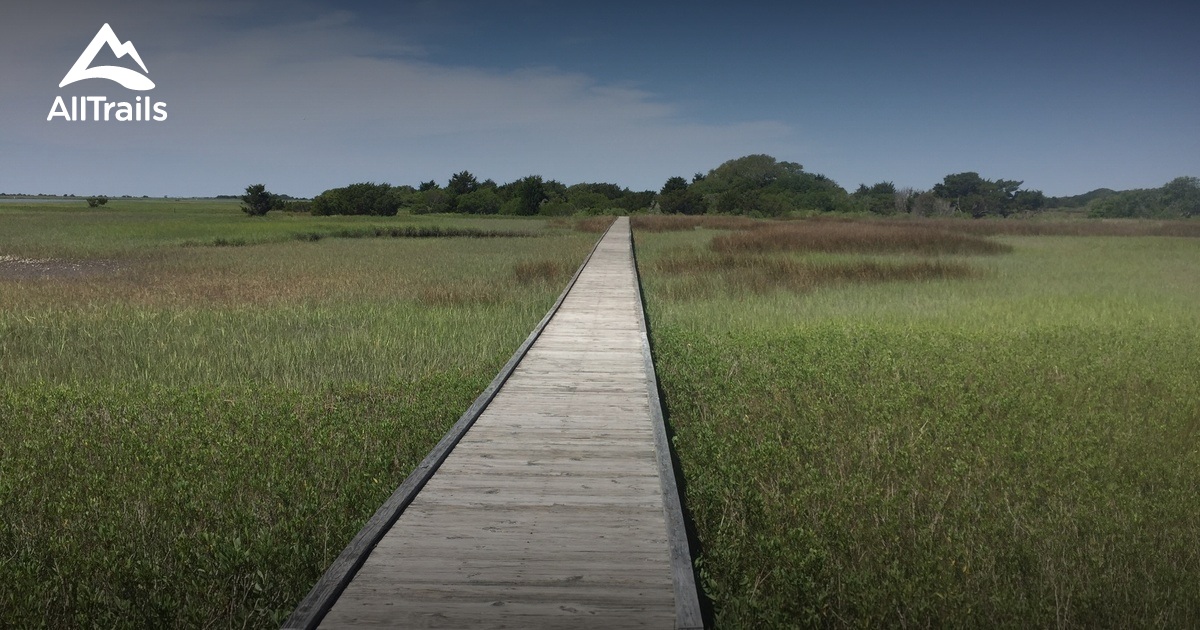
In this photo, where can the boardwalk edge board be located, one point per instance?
(688, 615)
(313, 608)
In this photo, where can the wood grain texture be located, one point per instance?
(557, 507)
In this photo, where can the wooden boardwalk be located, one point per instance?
(555, 507)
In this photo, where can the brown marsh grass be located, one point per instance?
(1078, 227)
(593, 225)
(699, 271)
(859, 237)
(679, 223)
(462, 294)
(531, 271)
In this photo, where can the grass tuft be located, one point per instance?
(549, 271)
(459, 295)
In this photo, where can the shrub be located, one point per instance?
(480, 201)
(94, 202)
(257, 201)
(363, 198)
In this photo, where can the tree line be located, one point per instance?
(754, 185)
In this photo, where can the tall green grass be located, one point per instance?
(127, 226)
(189, 435)
(1016, 447)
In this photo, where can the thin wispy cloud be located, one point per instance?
(309, 95)
(319, 102)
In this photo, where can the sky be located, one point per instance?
(310, 95)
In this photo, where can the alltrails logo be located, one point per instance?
(142, 108)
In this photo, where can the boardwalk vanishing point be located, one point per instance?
(551, 503)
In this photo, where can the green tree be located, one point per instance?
(631, 201)
(584, 198)
(611, 192)
(761, 185)
(529, 193)
(674, 184)
(749, 172)
(677, 198)
(981, 197)
(1178, 198)
(1029, 200)
(363, 198)
(462, 183)
(257, 201)
(1182, 196)
(95, 202)
(879, 198)
(479, 201)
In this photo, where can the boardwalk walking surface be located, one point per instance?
(550, 510)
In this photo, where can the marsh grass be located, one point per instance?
(189, 438)
(128, 227)
(677, 223)
(593, 225)
(858, 237)
(1077, 227)
(702, 272)
(1014, 448)
(552, 271)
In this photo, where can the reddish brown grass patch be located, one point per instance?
(593, 225)
(762, 273)
(529, 272)
(1079, 227)
(457, 295)
(678, 223)
(860, 237)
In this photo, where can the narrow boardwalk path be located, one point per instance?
(557, 507)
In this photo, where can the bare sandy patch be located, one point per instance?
(18, 268)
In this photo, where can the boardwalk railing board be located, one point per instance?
(313, 608)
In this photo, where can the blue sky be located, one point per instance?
(306, 96)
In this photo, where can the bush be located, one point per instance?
(257, 201)
(434, 200)
(682, 201)
(94, 202)
(480, 201)
(363, 198)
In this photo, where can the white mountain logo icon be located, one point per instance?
(130, 79)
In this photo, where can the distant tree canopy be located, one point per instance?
(464, 193)
(363, 198)
(676, 197)
(756, 185)
(880, 198)
(1079, 201)
(1179, 197)
(462, 183)
(971, 194)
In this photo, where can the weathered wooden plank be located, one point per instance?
(313, 608)
(558, 507)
